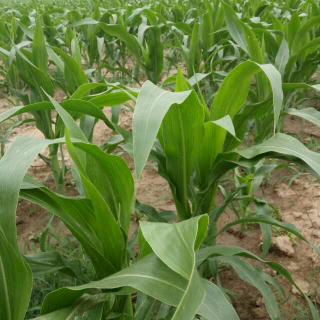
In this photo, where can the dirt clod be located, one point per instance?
(293, 267)
(283, 246)
(259, 313)
(297, 214)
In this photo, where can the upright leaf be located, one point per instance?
(152, 105)
(180, 135)
(39, 51)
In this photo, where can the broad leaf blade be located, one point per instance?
(152, 105)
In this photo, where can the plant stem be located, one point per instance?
(129, 309)
(209, 203)
(56, 170)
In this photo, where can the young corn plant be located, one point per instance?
(32, 66)
(249, 204)
(291, 45)
(146, 47)
(194, 146)
(164, 280)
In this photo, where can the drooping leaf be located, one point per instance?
(284, 144)
(87, 307)
(42, 263)
(310, 114)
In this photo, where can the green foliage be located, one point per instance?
(249, 64)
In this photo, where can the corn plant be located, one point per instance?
(33, 66)
(255, 57)
(147, 49)
(192, 148)
(166, 277)
(290, 45)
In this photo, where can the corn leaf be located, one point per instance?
(282, 57)
(230, 251)
(15, 274)
(284, 144)
(301, 34)
(87, 307)
(39, 51)
(152, 105)
(153, 277)
(180, 136)
(121, 33)
(310, 114)
(79, 106)
(42, 263)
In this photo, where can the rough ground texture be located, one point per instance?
(298, 203)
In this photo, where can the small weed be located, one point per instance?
(55, 240)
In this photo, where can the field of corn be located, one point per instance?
(160, 159)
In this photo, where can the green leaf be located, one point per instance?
(121, 33)
(294, 86)
(85, 21)
(145, 275)
(111, 99)
(300, 35)
(56, 59)
(284, 144)
(88, 223)
(144, 310)
(68, 121)
(246, 39)
(226, 123)
(235, 27)
(207, 32)
(282, 57)
(152, 214)
(32, 75)
(269, 220)
(212, 145)
(154, 64)
(80, 218)
(249, 274)
(152, 277)
(235, 87)
(112, 177)
(191, 299)
(72, 65)
(194, 53)
(42, 263)
(79, 106)
(215, 305)
(187, 237)
(219, 250)
(180, 136)
(85, 88)
(310, 114)
(112, 241)
(152, 105)
(229, 99)
(85, 308)
(15, 274)
(39, 51)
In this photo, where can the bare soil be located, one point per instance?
(298, 203)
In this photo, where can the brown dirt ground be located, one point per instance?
(298, 204)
